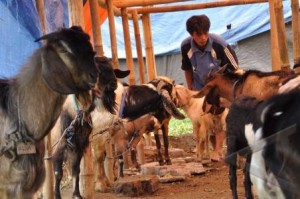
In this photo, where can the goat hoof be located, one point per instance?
(77, 197)
(161, 163)
(168, 162)
(215, 157)
(101, 187)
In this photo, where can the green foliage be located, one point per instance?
(180, 127)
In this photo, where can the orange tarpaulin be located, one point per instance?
(88, 20)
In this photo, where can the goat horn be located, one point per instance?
(48, 36)
(170, 106)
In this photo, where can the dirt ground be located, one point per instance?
(214, 184)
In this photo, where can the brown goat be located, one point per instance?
(258, 84)
(31, 102)
(204, 124)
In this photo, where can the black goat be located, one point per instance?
(31, 102)
(161, 115)
(75, 123)
(241, 113)
(276, 148)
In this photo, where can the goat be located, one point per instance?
(74, 126)
(241, 113)
(31, 102)
(203, 123)
(258, 84)
(159, 118)
(151, 99)
(274, 142)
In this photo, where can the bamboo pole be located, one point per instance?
(275, 55)
(148, 46)
(138, 46)
(113, 37)
(196, 6)
(282, 42)
(132, 3)
(127, 42)
(97, 36)
(48, 189)
(75, 9)
(86, 167)
(296, 30)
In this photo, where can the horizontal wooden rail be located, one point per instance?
(176, 8)
(132, 3)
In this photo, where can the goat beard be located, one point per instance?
(108, 101)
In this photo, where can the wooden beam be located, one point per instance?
(197, 6)
(86, 166)
(282, 41)
(127, 43)
(97, 36)
(113, 37)
(132, 3)
(138, 44)
(47, 189)
(149, 47)
(75, 10)
(275, 54)
(296, 30)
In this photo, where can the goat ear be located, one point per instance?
(170, 106)
(204, 91)
(222, 68)
(121, 73)
(56, 73)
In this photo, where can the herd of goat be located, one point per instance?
(65, 90)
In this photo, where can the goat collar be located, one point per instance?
(75, 103)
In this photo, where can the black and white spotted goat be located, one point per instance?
(275, 145)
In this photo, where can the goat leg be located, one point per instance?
(75, 173)
(58, 171)
(166, 144)
(247, 180)
(158, 147)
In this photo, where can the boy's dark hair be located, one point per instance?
(198, 23)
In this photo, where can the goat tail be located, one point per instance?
(170, 106)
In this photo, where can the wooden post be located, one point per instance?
(86, 167)
(127, 42)
(275, 60)
(48, 189)
(138, 43)
(282, 42)
(98, 45)
(296, 30)
(75, 9)
(148, 46)
(113, 37)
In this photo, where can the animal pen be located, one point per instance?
(136, 10)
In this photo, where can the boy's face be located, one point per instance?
(200, 39)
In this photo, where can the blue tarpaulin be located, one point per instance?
(20, 26)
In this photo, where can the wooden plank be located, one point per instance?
(132, 3)
(138, 44)
(148, 46)
(97, 36)
(127, 43)
(196, 6)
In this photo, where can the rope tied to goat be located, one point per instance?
(18, 142)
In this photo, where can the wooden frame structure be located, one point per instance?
(141, 9)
